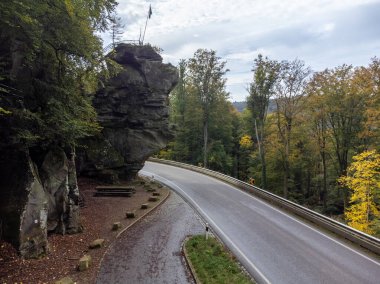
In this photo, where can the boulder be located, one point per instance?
(23, 203)
(60, 183)
(35, 200)
(54, 174)
(132, 108)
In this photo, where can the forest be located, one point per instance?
(318, 146)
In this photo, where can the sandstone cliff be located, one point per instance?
(133, 111)
(38, 185)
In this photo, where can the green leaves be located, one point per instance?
(51, 54)
(200, 111)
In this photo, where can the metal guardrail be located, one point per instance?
(369, 242)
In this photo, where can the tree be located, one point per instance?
(290, 90)
(260, 91)
(363, 178)
(369, 80)
(206, 73)
(178, 95)
(116, 29)
(318, 124)
(53, 60)
(345, 119)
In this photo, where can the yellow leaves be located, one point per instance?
(246, 142)
(4, 111)
(363, 178)
(69, 7)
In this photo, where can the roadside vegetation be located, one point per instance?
(297, 138)
(212, 263)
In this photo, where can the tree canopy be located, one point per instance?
(320, 127)
(51, 60)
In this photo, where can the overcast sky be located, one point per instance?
(323, 33)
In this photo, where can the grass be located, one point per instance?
(212, 263)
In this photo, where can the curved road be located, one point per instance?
(274, 246)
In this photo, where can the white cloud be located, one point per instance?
(323, 33)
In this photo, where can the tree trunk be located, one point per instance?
(263, 171)
(324, 190)
(262, 154)
(286, 160)
(285, 184)
(205, 140)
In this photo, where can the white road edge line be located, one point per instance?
(214, 225)
(294, 219)
(298, 221)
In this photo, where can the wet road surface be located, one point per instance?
(150, 251)
(273, 245)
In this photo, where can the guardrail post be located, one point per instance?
(207, 231)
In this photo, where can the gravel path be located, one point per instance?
(150, 251)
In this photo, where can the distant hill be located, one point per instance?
(240, 106)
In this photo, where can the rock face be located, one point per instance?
(23, 204)
(35, 200)
(60, 183)
(133, 111)
(38, 185)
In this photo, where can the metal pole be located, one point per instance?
(146, 23)
(207, 231)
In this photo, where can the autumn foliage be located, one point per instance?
(363, 179)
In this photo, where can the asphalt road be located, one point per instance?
(150, 251)
(274, 247)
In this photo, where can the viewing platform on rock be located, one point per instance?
(115, 190)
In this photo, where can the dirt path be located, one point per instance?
(150, 251)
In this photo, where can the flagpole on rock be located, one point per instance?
(146, 23)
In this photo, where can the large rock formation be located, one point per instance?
(38, 185)
(133, 111)
(23, 203)
(37, 199)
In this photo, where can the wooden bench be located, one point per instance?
(115, 190)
